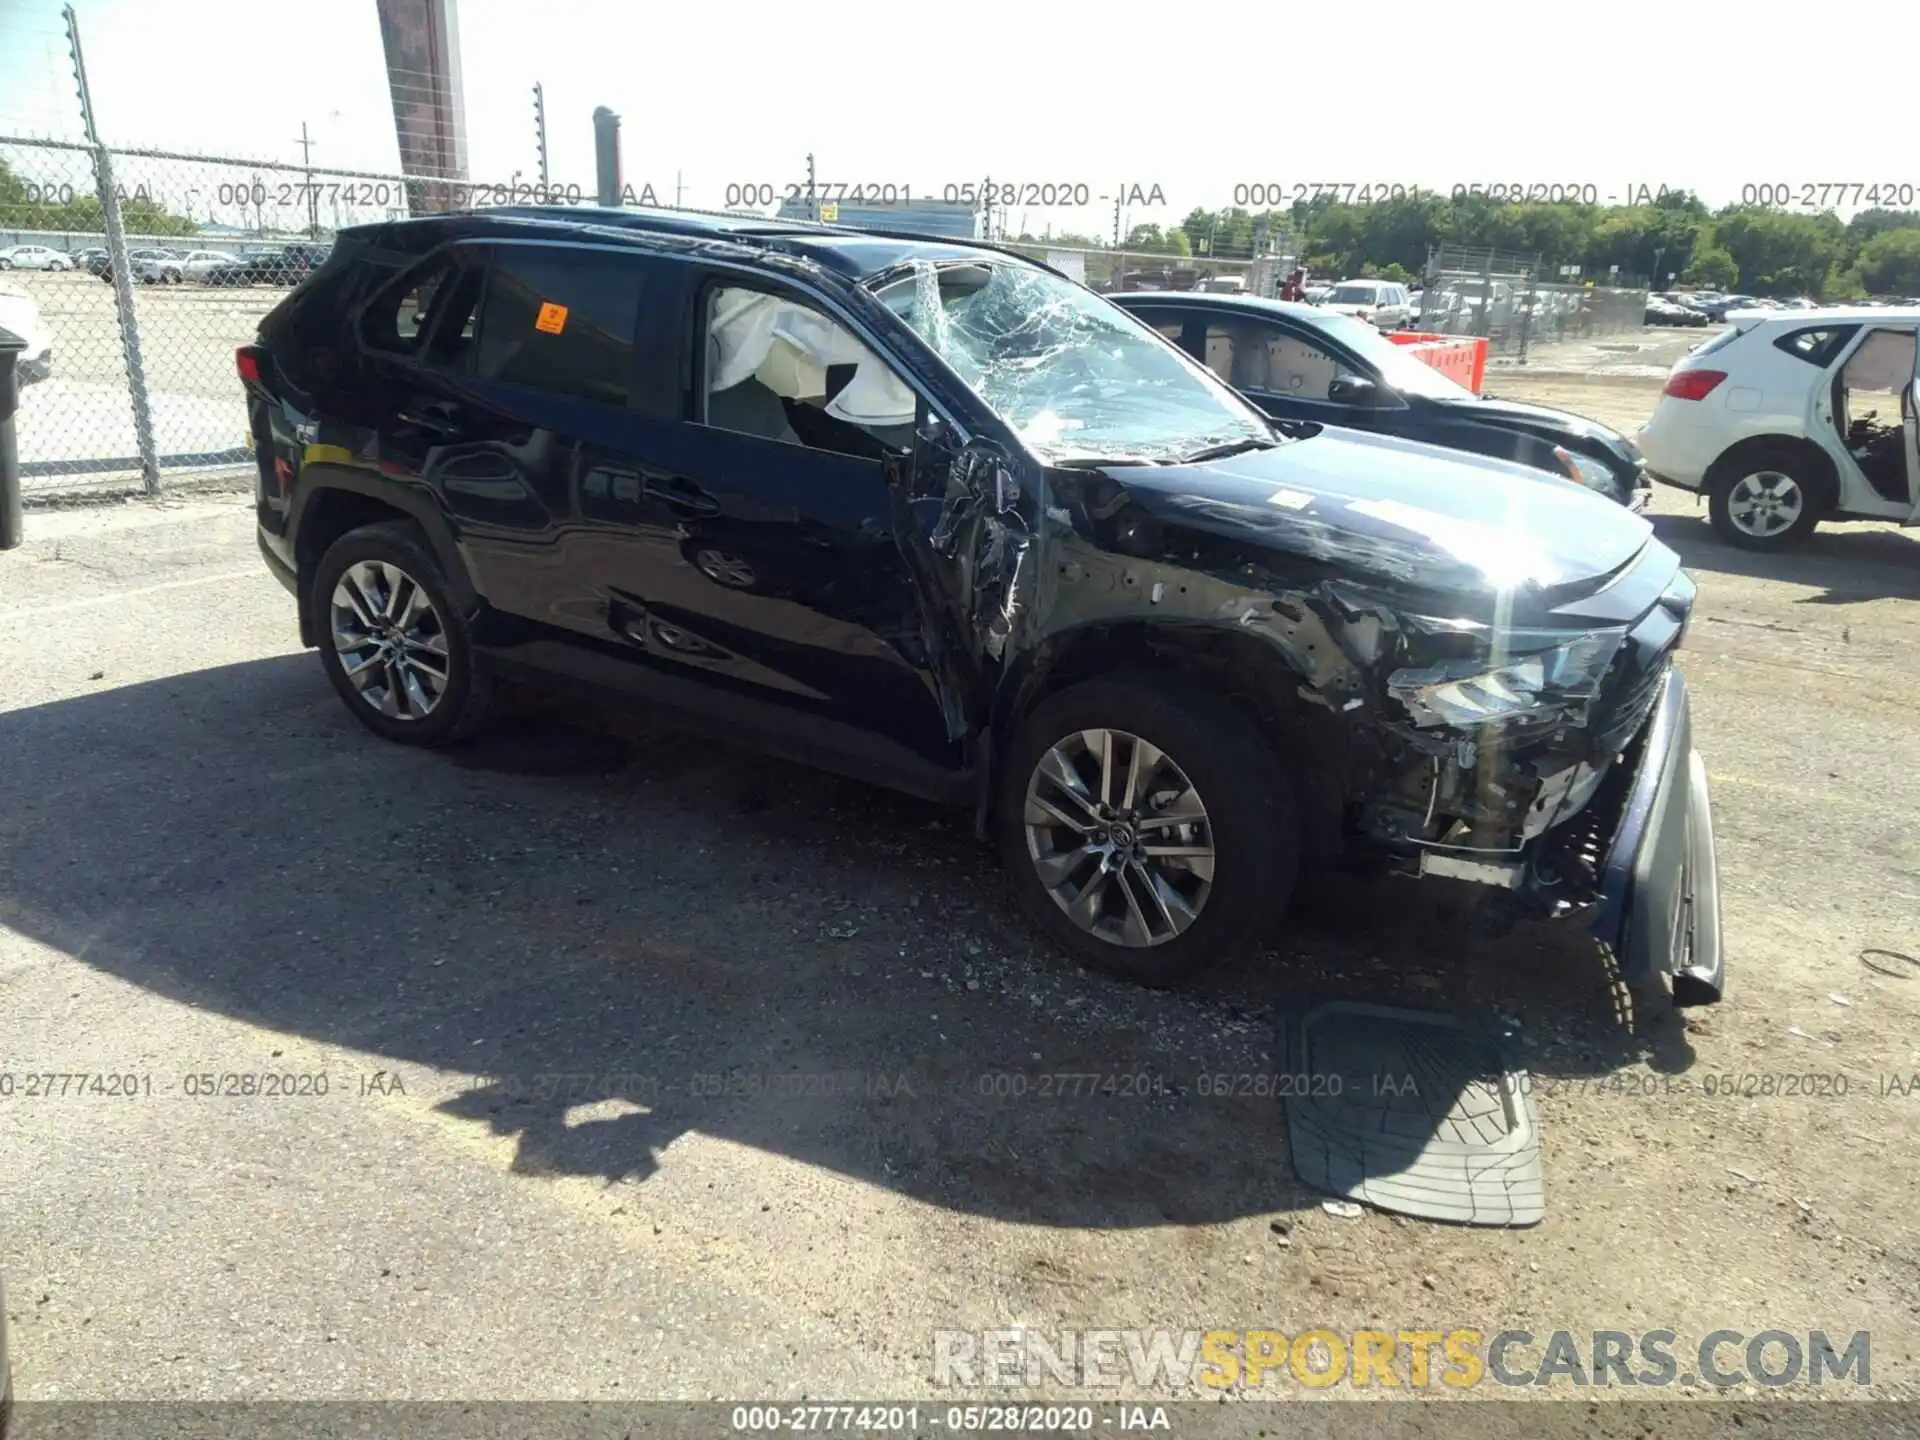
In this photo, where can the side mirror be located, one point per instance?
(1353, 390)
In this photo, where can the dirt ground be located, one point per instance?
(207, 867)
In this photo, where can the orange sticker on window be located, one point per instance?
(553, 318)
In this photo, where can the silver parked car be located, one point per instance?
(34, 257)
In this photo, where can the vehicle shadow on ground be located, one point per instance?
(585, 912)
(1848, 564)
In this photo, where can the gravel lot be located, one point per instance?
(207, 868)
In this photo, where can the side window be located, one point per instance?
(782, 370)
(1170, 325)
(1251, 356)
(1816, 346)
(560, 319)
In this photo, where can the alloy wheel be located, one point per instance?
(725, 569)
(390, 640)
(1765, 503)
(1119, 837)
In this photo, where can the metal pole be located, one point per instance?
(122, 270)
(313, 196)
(606, 150)
(1526, 317)
(813, 203)
(11, 525)
(540, 129)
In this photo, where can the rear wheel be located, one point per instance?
(1766, 503)
(392, 641)
(1149, 831)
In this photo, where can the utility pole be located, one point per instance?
(676, 189)
(540, 129)
(313, 196)
(813, 203)
(1116, 222)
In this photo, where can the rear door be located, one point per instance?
(1861, 415)
(502, 377)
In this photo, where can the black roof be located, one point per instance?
(855, 254)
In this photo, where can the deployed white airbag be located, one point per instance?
(788, 347)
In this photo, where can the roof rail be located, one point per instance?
(932, 240)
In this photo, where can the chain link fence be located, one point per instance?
(1504, 297)
(136, 382)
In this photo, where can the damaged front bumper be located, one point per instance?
(1636, 864)
(1660, 884)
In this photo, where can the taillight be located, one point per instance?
(247, 362)
(1693, 384)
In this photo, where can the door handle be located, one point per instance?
(440, 419)
(683, 496)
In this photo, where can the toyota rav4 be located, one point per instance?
(934, 515)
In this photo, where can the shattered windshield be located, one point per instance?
(1075, 377)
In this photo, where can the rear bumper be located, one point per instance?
(1660, 884)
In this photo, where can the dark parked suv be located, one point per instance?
(934, 515)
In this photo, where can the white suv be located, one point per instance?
(1381, 303)
(1789, 417)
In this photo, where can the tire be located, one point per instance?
(1772, 488)
(6, 264)
(446, 674)
(1249, 824)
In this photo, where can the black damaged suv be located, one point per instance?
(934, 515)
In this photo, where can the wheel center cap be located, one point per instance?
(1121, 835)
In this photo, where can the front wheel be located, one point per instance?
(1147, 828)
(1765, 504)
(393, 642)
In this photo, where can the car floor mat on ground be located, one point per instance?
(1409, 1111)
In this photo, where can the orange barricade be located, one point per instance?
(1459, 357)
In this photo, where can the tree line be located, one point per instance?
(1745, 248)
(30, 205)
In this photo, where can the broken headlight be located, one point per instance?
(1587, 471)
(1527, 675)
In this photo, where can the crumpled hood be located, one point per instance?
(1401, 512)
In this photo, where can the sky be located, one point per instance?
(1193, 102)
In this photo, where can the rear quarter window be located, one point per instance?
(1720, 342)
